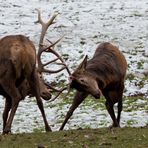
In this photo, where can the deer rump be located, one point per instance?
(103, 74)
(17, 63)
(18, 76)
(17, 58)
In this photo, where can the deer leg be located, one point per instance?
(119, 110)
(40, 105)
(120, 94)
(6, 111)
(10, 88)
(110, 108)
(34, 85)
(79, 97)
(111, 99)
(11, 116)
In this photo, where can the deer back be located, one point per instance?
(108, 66)
(108, 63)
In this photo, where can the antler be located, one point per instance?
(49, 49)
(44, 25)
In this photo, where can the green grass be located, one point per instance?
(135, 103)
(86, 138)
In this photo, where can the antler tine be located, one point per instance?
(53, 44)
(59, 57)
(44, 25)
(59, 92)
(68, 88)
(51, 71)
(52, 61)
(66, 67)
(43, 32)
(39, 17)
(51, 50)
(56, 90)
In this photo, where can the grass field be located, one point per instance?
(83, 138)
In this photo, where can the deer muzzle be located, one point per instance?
(46, 95)
(96, 94)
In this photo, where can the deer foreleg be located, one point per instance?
(34, 85)
(79, 97)
(40, 105)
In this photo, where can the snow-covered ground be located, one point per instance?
(84, 24)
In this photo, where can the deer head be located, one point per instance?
(45, 91)
(84, 81)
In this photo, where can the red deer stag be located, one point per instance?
(19, 75)
(103, 74)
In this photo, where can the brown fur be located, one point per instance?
(18, 76)
(103, 74)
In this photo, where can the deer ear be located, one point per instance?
(83, 64)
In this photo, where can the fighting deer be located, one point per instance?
(20, 75)
(103, 74)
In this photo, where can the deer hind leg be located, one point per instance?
(110, 101)
(10, 88)
(112, 97)
(34, 85)
(7, 108)
(110, 109)
(79, 97)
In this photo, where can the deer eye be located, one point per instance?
(83, 81)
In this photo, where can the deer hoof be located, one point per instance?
(6, 132)
(48, 129)
(114, 126)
